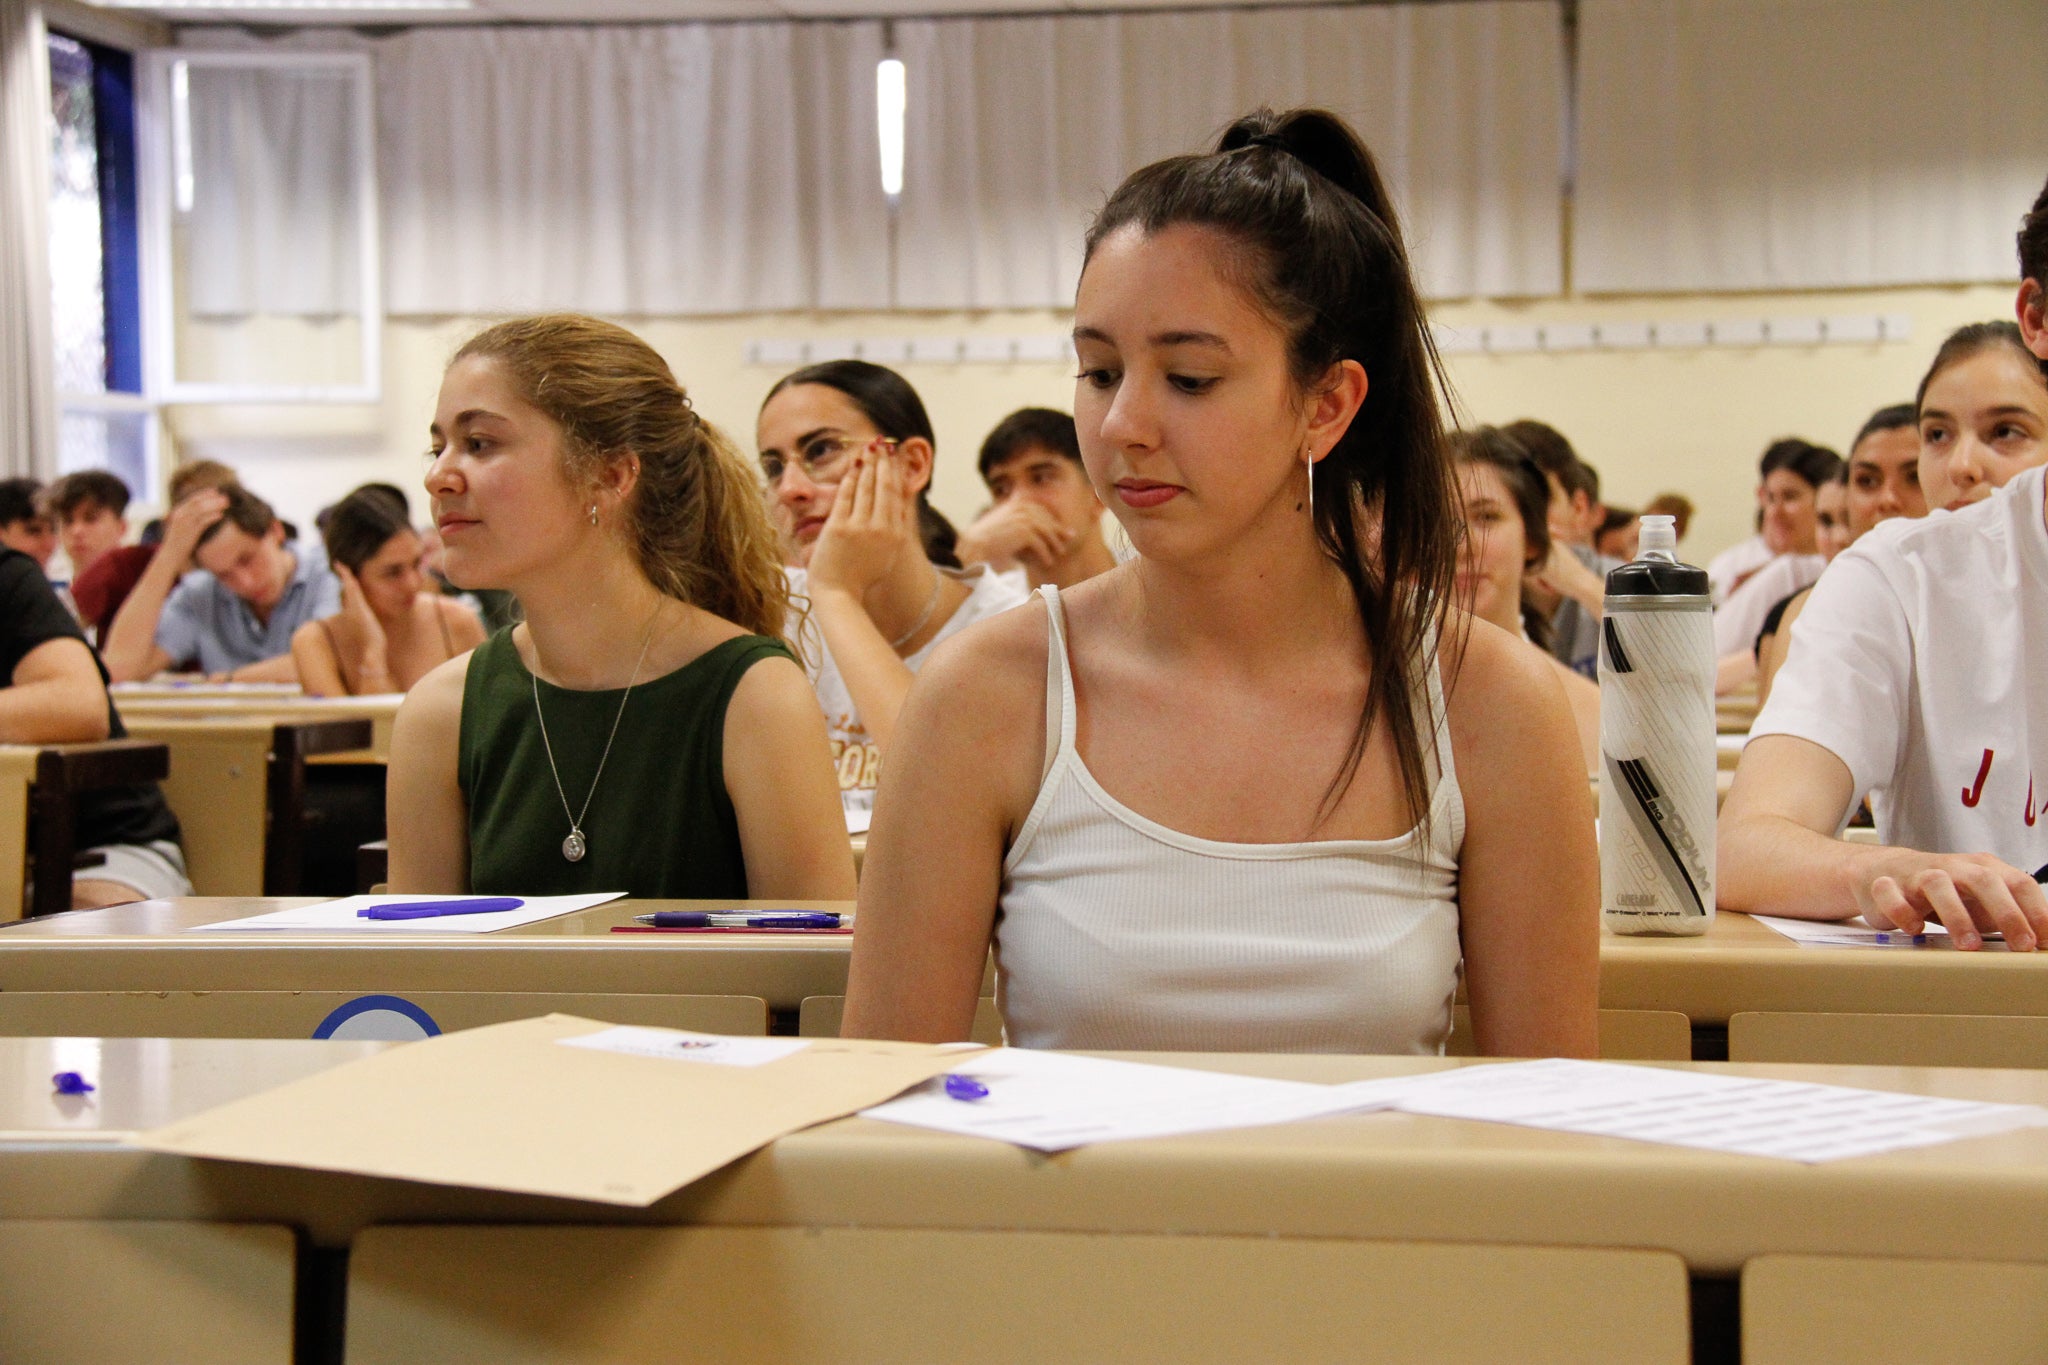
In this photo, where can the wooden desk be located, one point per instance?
(1740, 966)
(1346, 1183)
(140, 961)
(164, 703)
(238, 786)
(39, 791)
(1736, 712)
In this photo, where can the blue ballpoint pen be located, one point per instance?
(483, 905)
(767, 919)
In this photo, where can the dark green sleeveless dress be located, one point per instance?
(660, 823)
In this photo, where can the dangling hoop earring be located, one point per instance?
(1310, 465)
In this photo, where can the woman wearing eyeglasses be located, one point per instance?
(847, 449)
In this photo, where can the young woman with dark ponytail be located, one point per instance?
(1281, 790)
(645, 729)
(847, 450)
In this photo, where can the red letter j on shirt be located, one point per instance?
(1975, 792)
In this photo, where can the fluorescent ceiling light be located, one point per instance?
(238, 6)
(890, 106)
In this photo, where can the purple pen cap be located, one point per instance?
(965, 1088)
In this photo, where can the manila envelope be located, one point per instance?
(507, 1107)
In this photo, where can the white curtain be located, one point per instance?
(28, 392)
(1019, 128)
(1802, 144)
(682, 169)
(274, 222)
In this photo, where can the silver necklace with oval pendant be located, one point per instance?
(577, 845)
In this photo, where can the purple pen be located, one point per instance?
(966, 1088)
(483, 905)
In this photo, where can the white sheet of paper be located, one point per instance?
(681, 1045)
(1854, 934)
(1720, 1113)
(1049, 1101)
(340, 916)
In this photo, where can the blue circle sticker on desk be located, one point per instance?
(378, 1019)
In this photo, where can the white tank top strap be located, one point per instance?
(1060, 710)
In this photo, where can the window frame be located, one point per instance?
(156, 188)
(126, 392)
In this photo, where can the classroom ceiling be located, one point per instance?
(383, 13)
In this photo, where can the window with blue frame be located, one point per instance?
(105, 422)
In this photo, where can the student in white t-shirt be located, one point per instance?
(847, 450)
(1914, 676)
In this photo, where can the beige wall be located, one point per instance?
(1692, 421)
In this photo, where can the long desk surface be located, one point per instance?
(1376, 1176)
(144, 947)
(1738, 966)
(178, 704)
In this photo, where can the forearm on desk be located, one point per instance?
(1770, 864)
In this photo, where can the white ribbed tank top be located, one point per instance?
(1114, 931)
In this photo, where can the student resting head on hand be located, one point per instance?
(645, 729)
(847, 451)
(390, 630)
(237, 618)
(1914, 676)
(1046, 518)
(1271, 807)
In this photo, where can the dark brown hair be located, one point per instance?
(86, 487)
(2033, 241)
(1965, 342)
(1554, 455)
(1046, 429)
(1813, 464)
(1320, 252)
(695, 522)
(245, 511)
(363, 523)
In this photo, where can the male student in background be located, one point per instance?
(89, 509)
(23, 524)
(1046, 517)
(236, 618)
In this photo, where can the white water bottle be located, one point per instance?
(1657, 752)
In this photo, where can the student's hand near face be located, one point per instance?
(356, 608)
(872, 524)
(188, 521)
(1561, 574)
(1015, 529)
(1969, 894)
